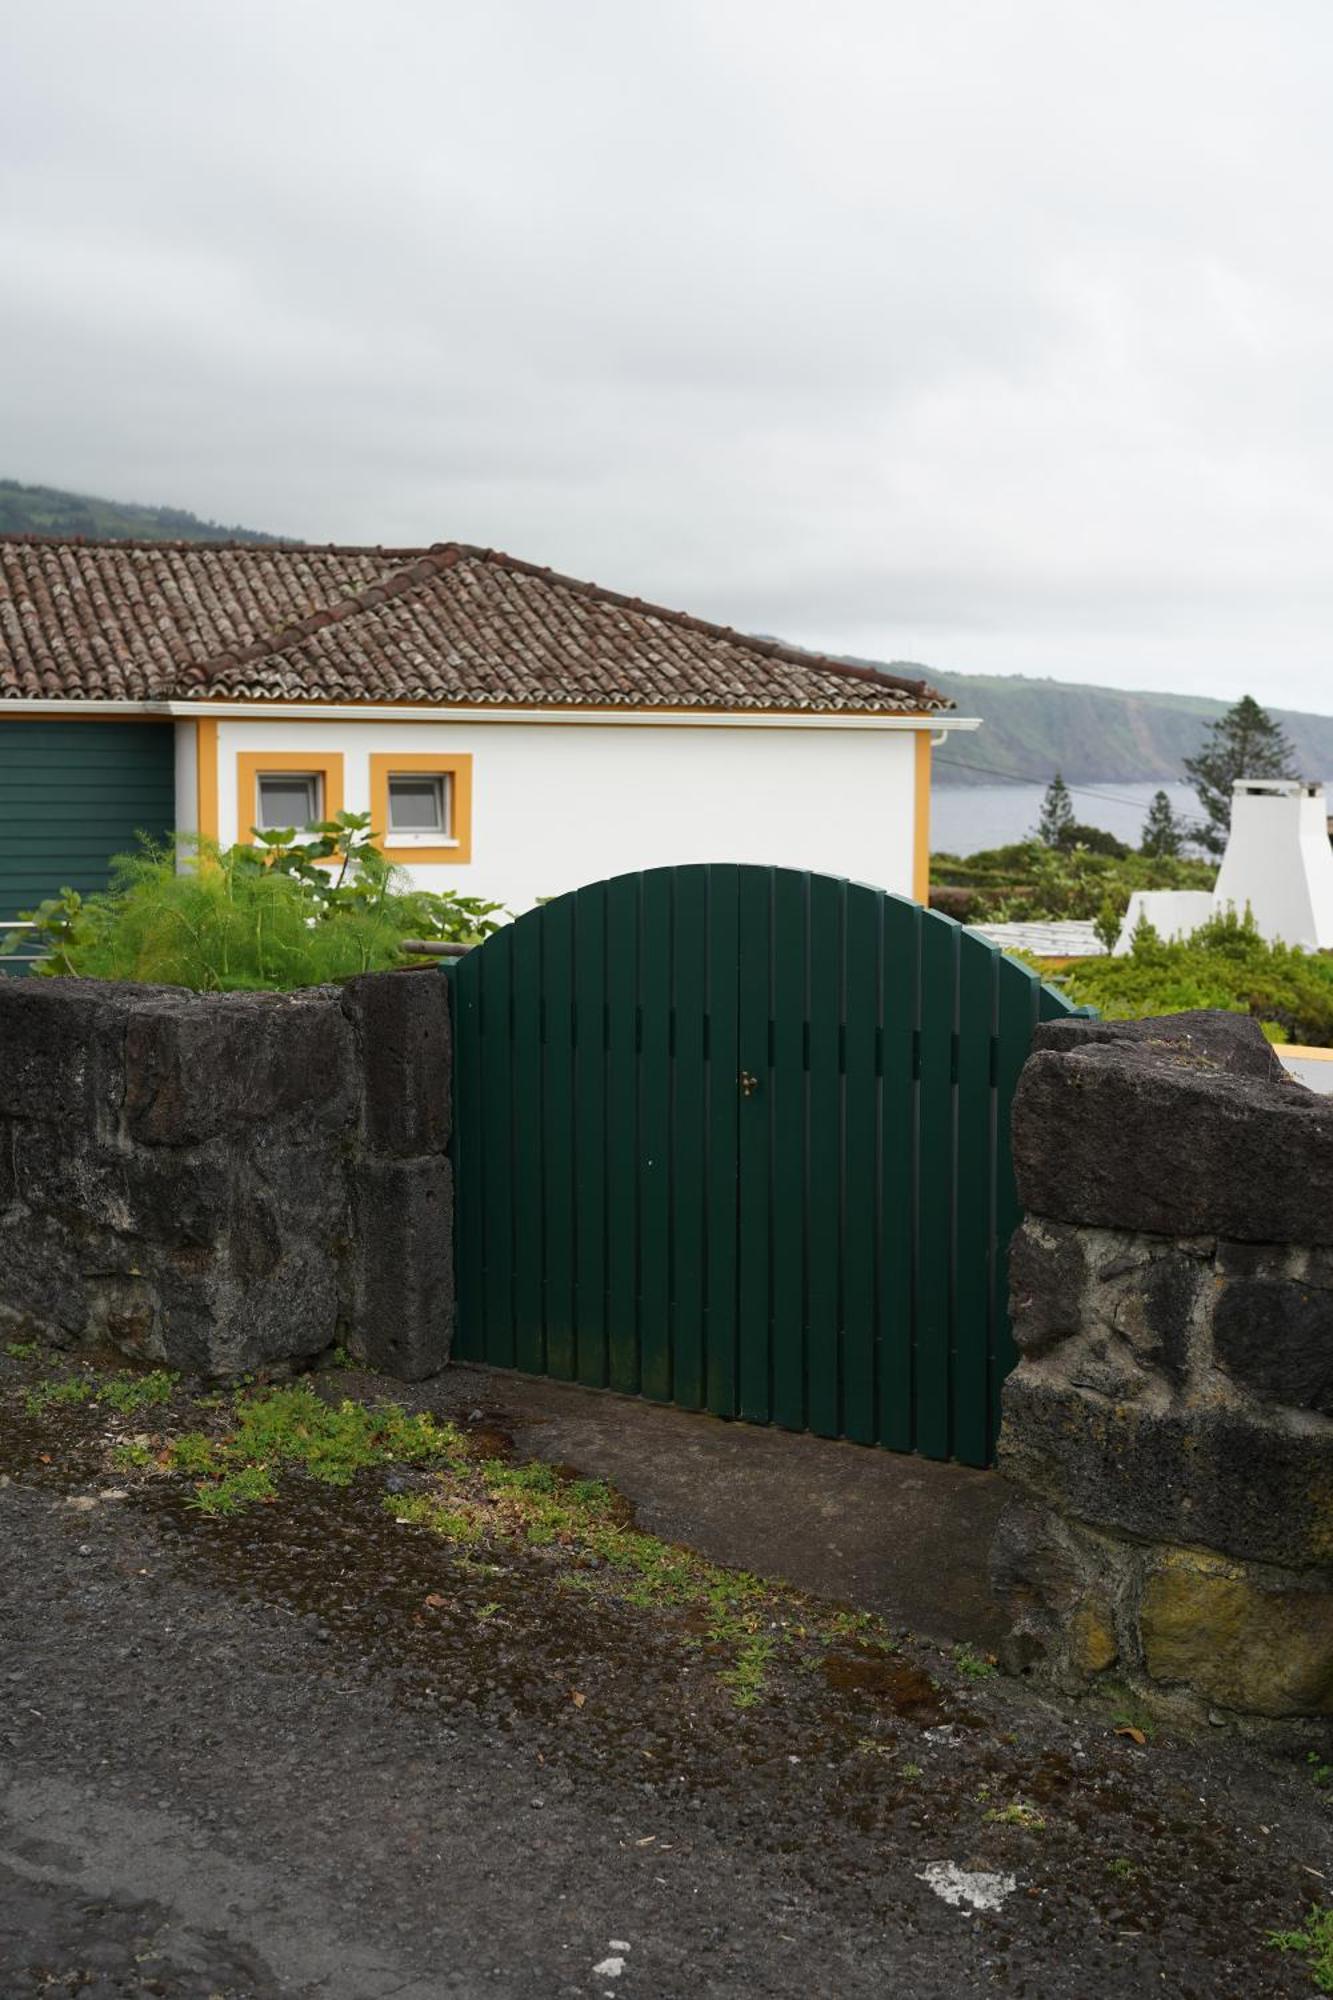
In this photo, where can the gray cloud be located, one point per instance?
(993, 336)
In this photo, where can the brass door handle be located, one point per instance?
(748, 1083)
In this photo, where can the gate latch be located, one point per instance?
(748, 1083)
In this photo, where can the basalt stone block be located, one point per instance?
(62, 1049)
(1275, 1335)
(1247, 1639)
(1204, 1039)
(403, 1295)
(1048, 1279)
(1154, 1306)
(1132, 1137)
(1210, 1476)
(401, 1023)
(198, 1067)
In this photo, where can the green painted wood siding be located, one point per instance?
(72, 794)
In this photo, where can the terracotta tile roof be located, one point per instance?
(452, 625)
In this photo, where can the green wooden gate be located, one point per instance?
(737, 1138)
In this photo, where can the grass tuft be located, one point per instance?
(1314, 1941)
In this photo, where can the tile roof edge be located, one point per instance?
(442, 556)
(771, 649)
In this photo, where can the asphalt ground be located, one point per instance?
(307, 1751)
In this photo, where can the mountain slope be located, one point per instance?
(1033, 728)
(49, 510)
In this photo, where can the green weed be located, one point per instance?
(909, 1770)
(1320, 1772)
(64, 1394)
(131, 1457)
(1122, 1867)
(128, 1393)
(236, 1490)
(22, 1350)
(1017, 1813)
(1314, 1941)
(972, 1665)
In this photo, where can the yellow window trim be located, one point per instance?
(324, 764)
(458, 769)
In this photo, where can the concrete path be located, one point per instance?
(900, 1536)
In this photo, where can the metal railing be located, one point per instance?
(23, 955)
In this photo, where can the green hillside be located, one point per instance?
(47, 510)
(1033, 728)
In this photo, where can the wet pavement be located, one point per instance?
(308, 1750)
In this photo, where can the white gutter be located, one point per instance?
(614, 718)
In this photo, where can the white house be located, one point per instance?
(512, 732)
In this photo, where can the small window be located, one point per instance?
(288, 799)
(420, 805)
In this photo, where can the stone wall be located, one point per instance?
(223, 1182)
(1169, 1429)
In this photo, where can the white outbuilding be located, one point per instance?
(1278, 865)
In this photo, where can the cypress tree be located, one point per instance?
(1243, 743)
(1057, 813)
(1163, 833)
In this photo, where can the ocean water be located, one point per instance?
(966, 818)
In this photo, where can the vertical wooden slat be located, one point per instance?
(935, 1184)
(654, 1067)
(861, 980)
(790, 983)
(590, 1133)
(978, 965)
(469, 1342)
(824, 1156)
(723, 1092)
(754, 1111)
(622, 1119)
(689, 1160)
(901, 926)
(558, 1153)
(495, 967)
(526, 1071)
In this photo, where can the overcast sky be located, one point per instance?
(995, 335)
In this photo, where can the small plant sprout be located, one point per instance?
(1314, 1941)
(1017, 1813)
(972, 1665)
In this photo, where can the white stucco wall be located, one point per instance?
(558, 804)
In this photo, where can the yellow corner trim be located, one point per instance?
(458, 769)
(921, 831)
(206, 777)
(325, 764)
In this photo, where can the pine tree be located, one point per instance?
(1163, 833)
(1243, 743)
(1057, 813)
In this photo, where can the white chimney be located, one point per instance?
(1278, 861)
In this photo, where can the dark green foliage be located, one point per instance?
(1163, 833)
(1029, 881)
(1224, 964)
(1095, 838)
(1057, 814)
(1244, 743)
(47, 510)
(252, 918)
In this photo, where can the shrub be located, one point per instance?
(1030, 881)
(1223, 964)
(252, 918)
